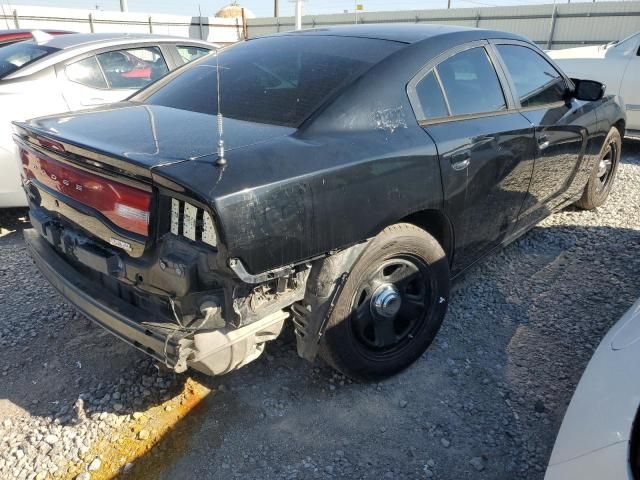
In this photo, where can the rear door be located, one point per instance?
(484, 145)
(542, 95)
(110, 75)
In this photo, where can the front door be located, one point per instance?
(485, 148)
(561, 128)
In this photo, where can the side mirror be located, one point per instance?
(588, 90)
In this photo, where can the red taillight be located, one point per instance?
(127, 207)
(50, 144)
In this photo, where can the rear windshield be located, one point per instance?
(17, 55)
(275, 80)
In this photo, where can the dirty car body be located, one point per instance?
(331, 137)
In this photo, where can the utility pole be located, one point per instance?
(276, 9)
(298, 14)
(448, 4)
(123, 6)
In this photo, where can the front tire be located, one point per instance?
(391, 307)
(601, 180)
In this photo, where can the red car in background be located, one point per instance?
(8, 37)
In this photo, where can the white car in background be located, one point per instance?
(599, 437)
(616, 64)
(49, 75)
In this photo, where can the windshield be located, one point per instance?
(17, 55)
(277, 80)
(623, 43)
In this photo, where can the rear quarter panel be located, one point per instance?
(288, 200)
(358, 164)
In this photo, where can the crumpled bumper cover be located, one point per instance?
(110, 312)
(211, 351)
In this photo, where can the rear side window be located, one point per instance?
(275, 80)
(86, 72)
(190, 53)
(470, 83)
(430, 97)
(133, 68)
(536, 81)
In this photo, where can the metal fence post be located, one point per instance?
(150, 25)
(15, 18)
(554, 16)
(91, 23)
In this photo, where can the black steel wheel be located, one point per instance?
(391, 306)
(601, 180)
(391, 303)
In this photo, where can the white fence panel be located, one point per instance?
(575, 24)
(220, 30)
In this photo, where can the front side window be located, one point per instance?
(431, 98)
(190, 53)
(470, 83)
(537, 83)
(18, 55)
(274, 80)
(133, 68)
(86, 72)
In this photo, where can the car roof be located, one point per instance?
(73, 40)
(29, 31)
(399, 32)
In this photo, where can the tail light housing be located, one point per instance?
(125, 206)
(193, 223)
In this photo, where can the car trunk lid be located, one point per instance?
(134, 138)
(94, 168)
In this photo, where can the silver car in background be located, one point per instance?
(51, 75)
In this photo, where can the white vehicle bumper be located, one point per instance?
(611, 462)
(11, 193)
(593, 442)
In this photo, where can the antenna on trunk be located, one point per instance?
(221, 160)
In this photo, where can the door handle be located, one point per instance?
(543, 142)
(461, 160)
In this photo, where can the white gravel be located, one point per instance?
(485, 402)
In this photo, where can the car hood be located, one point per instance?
(149, 136)
(605, 403)
(594, 51)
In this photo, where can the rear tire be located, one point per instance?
(391, 307)
(601, 180)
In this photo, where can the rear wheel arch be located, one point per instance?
(436, 223)
(328, 275)
(368, 338)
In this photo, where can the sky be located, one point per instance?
(264, 8)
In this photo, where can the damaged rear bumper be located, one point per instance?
(211, 351)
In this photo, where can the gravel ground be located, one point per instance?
(485, 402)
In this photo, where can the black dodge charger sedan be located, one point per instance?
(339, 177)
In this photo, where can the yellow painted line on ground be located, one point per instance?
(134, 439)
